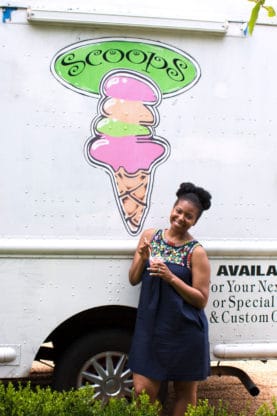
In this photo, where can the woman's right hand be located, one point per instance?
(142, 254)
(144, 249)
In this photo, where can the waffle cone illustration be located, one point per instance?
(132, 192)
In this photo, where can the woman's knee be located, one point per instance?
(144, 384)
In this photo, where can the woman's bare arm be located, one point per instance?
(142, 253)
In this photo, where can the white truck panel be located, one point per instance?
(64, 246)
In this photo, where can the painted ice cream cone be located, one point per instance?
(125, 144)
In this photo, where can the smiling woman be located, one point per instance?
(171, 335)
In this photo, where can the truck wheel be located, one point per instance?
(98, 360)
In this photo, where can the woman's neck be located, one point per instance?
(174, 238)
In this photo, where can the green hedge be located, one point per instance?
(28, 401)
(203, 408)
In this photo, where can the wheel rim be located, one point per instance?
(108, 374)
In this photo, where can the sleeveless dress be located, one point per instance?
(170, 340)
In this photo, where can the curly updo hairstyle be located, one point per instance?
(195, 194)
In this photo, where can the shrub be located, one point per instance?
(25, 401)
(203, 408)
(28, 401)
(266, 410)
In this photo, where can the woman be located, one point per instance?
(171, 335)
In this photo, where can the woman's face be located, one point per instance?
(183, 215)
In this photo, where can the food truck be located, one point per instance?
(105, 110)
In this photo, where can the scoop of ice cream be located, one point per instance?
(129, 87)
(118, 128)
(129, 152)
(128, 111)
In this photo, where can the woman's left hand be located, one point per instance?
(159, 269)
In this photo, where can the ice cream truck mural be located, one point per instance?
(105, 111)
(130, 77)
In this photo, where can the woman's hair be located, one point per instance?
(195, 194)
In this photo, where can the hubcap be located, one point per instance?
(108, 374)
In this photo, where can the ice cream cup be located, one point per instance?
(155, 259)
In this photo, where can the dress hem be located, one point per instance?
(173, 378)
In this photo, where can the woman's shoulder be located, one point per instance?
(198, 251)
(148, 233)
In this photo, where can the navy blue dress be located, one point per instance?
(170, 341)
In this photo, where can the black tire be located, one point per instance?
(98, 359)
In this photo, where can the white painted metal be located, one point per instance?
(8, 355)
(245, 351)
(57, 240)
(84, 247)
(96, 19)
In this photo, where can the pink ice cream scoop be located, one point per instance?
(127, 86)
(128, 152)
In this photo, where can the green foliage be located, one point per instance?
(266, 410)
(25, 401)
(255, 13)
(203, 408)
(28, 401)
